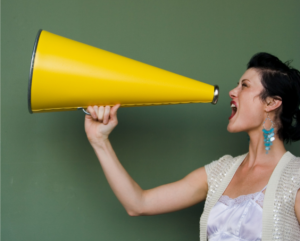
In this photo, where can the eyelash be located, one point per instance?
(243, 84)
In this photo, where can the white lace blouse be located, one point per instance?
(236, 219)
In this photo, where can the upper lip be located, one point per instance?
(233, 103)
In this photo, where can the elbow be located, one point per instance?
(136, 208)
(135, 212)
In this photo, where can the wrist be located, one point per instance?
(100, 143)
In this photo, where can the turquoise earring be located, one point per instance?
(269, 135)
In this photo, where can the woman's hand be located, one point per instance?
(100, 123)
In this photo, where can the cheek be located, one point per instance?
(252, 114)
(252, 117)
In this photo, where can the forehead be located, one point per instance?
(251, 75)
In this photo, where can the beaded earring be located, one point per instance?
(269, 135)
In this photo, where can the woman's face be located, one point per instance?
(248, 113)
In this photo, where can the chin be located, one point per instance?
(231, 129)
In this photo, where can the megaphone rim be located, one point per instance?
(31, 68)
(216, 95)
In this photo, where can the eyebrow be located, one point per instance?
(245, 80)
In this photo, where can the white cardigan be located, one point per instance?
(279, 218)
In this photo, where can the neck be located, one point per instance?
(257, 153)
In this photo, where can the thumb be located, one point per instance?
(88, 118)
(113, 112)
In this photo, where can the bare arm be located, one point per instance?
(166, 198)
(297, 206)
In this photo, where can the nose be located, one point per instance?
(233, 93)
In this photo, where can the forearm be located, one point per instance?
(125, 188)
(166, 198)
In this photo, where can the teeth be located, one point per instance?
(232, 105)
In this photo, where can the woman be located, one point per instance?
(250, 197)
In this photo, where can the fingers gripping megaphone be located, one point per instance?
(66, 75)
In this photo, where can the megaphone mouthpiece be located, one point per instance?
(216, 95)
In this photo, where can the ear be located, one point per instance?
(272, 103)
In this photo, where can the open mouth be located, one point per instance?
(233, 109)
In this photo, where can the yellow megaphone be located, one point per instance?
(68, 75)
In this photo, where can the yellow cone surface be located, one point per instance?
(66, 74)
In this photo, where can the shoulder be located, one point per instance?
(292, 169)
(286, 203)
(287, 190)
(217, 170)
(287, 176)
(295, 161)
(225, 161)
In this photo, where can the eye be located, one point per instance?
(244, 85)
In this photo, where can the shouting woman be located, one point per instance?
(251, 197)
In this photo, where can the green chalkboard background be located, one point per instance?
(53, 187)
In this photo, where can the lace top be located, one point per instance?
(234, 201)
(236, 219)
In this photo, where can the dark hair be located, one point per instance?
(281, 81)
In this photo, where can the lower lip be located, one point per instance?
(232, 115)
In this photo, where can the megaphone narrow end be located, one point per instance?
(31, 69)
(216, 95)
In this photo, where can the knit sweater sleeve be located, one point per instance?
(210, 167)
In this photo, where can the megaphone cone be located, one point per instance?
(65, 75)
